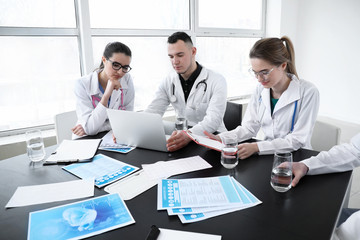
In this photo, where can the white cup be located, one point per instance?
(281, 173)
(35, 146)
(229, 157)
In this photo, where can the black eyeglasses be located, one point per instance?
(117, 66)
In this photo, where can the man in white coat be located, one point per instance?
(339, 158)
(192, 89)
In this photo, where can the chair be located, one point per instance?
(63, 124)
(325, 136)
(233, 115)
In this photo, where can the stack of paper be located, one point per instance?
(108, 144)
(197, 199)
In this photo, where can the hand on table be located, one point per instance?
(299, 170)
(245, 150)
(177, 140)
(78, 130)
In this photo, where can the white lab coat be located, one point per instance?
(95, 120)
(339, 158)
(204, 110)
(277, 127)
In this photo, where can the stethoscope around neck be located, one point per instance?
(95, 99)
(173, 97)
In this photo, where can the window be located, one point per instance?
(38, 81)
(232, 62)
(140, 14)
(37, 77)
(38, 13)
(241, 14)
(47, 44)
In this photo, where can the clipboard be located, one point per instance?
(206, 142)
(71, 151)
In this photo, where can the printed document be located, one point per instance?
(104, 169)
(197, 192)
(188, 215)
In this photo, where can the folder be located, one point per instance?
(206, 142)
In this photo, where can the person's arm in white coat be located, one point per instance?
(215, 110)
(250, 123)
(303, 127)
(339, 158)
(91, 119)
(161, 100)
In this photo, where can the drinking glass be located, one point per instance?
(35, 146)
(281, 174)
(229, 157)
(181, 122)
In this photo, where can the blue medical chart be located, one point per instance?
(171, 194)
(79, 220)
(104, 169)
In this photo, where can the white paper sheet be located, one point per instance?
(74, 150)
(132, 186)
(166, 234)
(166, 169)
(30, 195)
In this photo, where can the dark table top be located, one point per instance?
(309, 211)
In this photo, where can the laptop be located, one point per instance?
(140, 129)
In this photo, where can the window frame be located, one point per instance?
(84, 33)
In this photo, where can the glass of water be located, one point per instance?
(35, 146)
(229, 157)
(180, 122)
(281, 174)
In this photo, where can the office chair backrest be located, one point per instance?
(63, 124)
(325, 136)
(233, 115)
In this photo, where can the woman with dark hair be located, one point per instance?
(109, 86)
(283, 106)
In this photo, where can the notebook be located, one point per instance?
(138, 129)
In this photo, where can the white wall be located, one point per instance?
(326, 35)
(328, 51)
